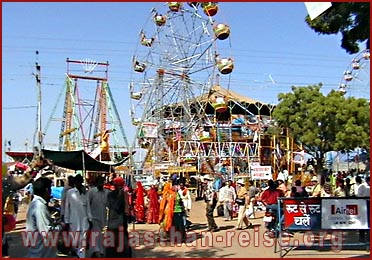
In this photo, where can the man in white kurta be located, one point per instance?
(97, 203)
(186, 198)
(76, 215)
(70, 184)
(39, 222)
(227, 196)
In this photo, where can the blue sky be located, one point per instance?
(272, 46)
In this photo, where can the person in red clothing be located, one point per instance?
(153, 209)
(139, 206)
(270, 198)
(271, 194)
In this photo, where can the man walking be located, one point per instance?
(227, 197)
(38, 220)
(244, 202)
(97, 203)
(70, 184)
(210, 197)
(117, 210)
(76, 214)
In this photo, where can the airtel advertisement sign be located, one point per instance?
(345, 214)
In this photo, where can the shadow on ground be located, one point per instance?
(337, 241)
(169, 252)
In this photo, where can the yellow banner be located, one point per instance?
(182, 169)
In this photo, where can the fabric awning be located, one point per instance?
(79, 160)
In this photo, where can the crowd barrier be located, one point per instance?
(325, 215)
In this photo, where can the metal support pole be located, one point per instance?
(83, 159)
(278, 231)
(38, 85)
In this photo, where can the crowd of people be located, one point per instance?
(84, 211)
(234, 200)
(108, 203)
(231, 199)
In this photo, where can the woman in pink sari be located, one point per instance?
(153, 208)
(139, 207)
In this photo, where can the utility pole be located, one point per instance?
(38, 86)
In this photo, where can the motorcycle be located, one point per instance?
(270, 222)
(54, 207)
(272, 226)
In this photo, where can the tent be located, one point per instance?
(238, 103)
(80, 160)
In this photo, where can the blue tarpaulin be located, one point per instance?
(57, 192)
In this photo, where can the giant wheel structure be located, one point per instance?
(356, 78)
(186, 116)
(177, 61)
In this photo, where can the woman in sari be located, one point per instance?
(166, 209)
(140, 204)
(153, 208)
(171, 212)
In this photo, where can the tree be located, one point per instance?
(351, 19)
(323, 123)
(354, 116)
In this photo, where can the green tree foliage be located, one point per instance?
(323, 123)
(354, 116)
(351, 19)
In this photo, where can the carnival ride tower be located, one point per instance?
(90, 117)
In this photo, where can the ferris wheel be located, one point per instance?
(356, 78)
(176, 63)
